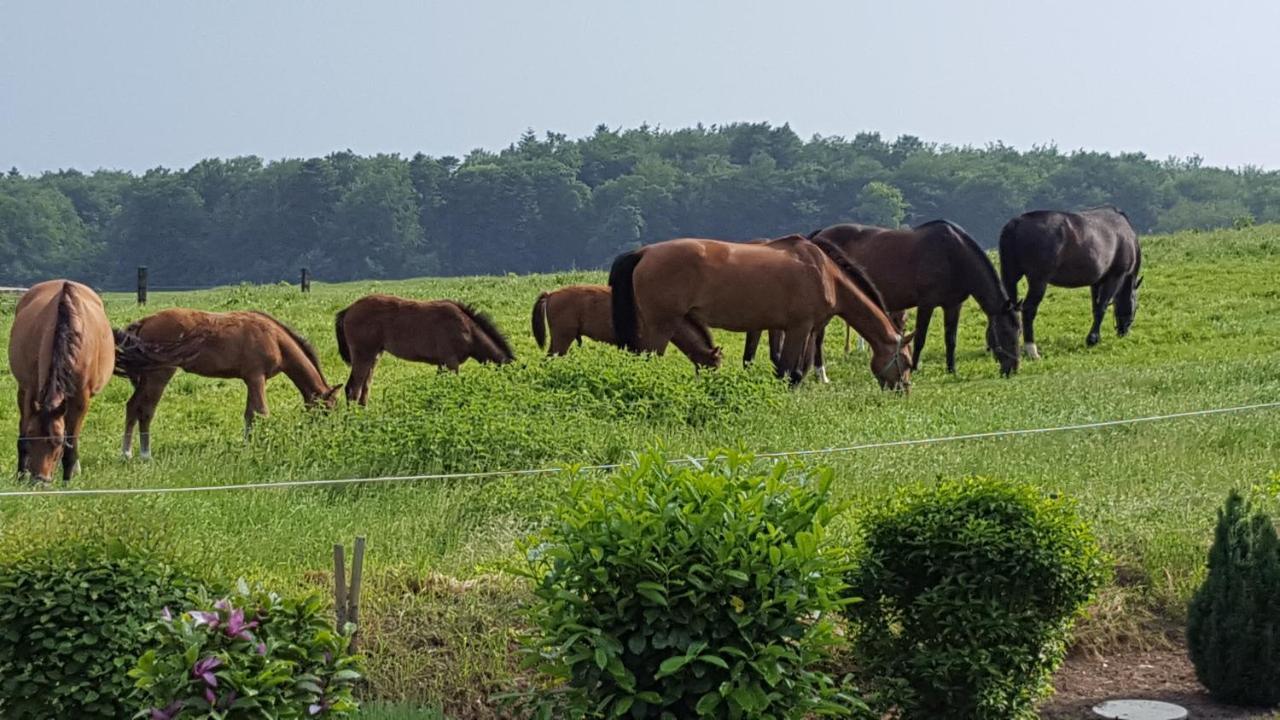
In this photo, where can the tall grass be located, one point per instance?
(440, 616)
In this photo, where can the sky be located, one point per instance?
(134, 84)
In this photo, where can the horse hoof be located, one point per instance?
(1031, 351)
(126, 455)
(1092, 339)
(822, 375)
(145, 455)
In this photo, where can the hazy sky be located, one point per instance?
(131, 84)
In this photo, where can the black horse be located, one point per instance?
(1096, 247)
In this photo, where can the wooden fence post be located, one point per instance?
(346, 600)
(142, 284)
(306, 281)
(339, 586)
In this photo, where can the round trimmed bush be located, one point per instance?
(969, 591)
(72, 623)
(688, 592)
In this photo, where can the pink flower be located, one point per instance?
(237, 627)
(204, 670)
(167, 713)
(206, 618)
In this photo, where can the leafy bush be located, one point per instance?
(1233, 625)
(72, 622)
(970, 589)
(251, 655)
(682, 592)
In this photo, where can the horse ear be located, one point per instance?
(1017, 307)
(333, 391)
(58, 410)
(906, 339)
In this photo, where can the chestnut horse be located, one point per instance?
(577, 310)
(814, 357)
(251, 346)
(1096, 247)
(61, 353)
(440, 332)
(791, 284)
(934, 265)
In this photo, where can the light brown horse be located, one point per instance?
(61, 352)
(441, 332)
(251, 346)
(791, 285)
(584, 310)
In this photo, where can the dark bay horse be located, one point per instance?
(578, 311)
(61, 353)
(251, 346)
(1096, 247)
(791, 285)
(934, 265)
(440, 332)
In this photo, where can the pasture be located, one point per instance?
(439, 614)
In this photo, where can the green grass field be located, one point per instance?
(440, 616)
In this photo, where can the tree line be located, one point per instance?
(550, 202)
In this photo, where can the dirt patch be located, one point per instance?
(1167, 675)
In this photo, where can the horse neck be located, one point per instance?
(299, 368)
(982, 281)
(864, 315)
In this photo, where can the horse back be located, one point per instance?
(33, 334)
(582, 310)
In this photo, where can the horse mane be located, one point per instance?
(486, 324)
(973, 247)
(853, 271)
(67, 339)
(307, 349)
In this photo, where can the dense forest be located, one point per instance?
(552, 202)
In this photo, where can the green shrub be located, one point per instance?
(970, 589)
(72, 623)
(251, 655)
(681, 592)
(1233, 624)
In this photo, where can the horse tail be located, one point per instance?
(491, 332)
(135, 356)
(61, 380)
(344, 350)
(1010, 273)
(540, 320)
(626, 324)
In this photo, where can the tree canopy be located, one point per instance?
(550, 202)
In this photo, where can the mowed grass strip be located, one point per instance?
(440, 615)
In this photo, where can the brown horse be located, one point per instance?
(791, 284)
(584, 310)
(61, 353)
(251, 346)
(934, 265)
(440, 332)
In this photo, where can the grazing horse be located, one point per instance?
(1096, 247)
(440, 332)
(577, 310)
(791, 285)
(251, 346)
(934, 265)
(61, 353)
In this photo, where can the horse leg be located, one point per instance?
(950, 323)
(1103, 293)
(1035, 293)
(924, 316)
(77, 409)
(358, 381)
(22, 444)
(257, 402)
(151, 386)
(790, 359)
(749, 348)
(819, 361)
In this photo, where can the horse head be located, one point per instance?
(327, 399)
(1004, 333)
(1127, 304)
(892, 364)
(42, 440)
